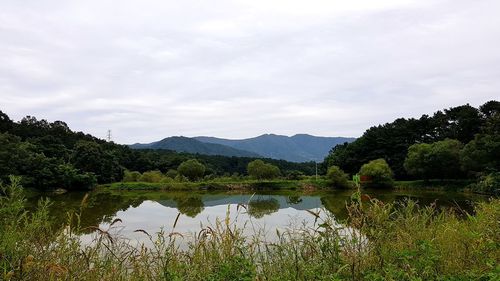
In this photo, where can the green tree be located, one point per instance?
(151, 176)
(417, 160)
(14, 156)
(262, 171)
(379, 173)
(440, 159)
(131, 176)
(481, 154)
(191, 169)
(72, 179)
(5, 123)
(392, 140)
(337, 178)
(90, 157)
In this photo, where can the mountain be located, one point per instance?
(297, 148)
(191, 145)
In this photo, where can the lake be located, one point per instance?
(259, 211)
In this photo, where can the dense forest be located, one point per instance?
(456, 143)
(50, 155)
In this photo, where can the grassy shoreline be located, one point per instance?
(219, 185)
(385, 241)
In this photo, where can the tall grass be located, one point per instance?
(378, 241)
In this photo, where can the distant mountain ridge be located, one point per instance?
(297, 148)
(191, 145)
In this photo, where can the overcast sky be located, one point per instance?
(237, 69)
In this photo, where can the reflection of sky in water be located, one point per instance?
(152, 216)
(270, 212)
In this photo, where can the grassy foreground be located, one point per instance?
(377, 242)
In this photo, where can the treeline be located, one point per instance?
(50, 155)
(456, 143)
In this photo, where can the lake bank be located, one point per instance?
(306, 184)
(405, 241)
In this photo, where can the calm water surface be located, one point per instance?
(264, 211)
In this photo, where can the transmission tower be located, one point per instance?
(108, 136)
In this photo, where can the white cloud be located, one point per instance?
(150, 69)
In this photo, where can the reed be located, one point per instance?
(378, 241)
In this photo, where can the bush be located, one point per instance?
(131, 176)
(262, 171)
(72, 179)
(151, 176)
(337, 178)
(488, 184)
(294, 175)
(191, 169)
(379, 173)
(171, 173)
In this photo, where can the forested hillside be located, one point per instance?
(472, 145)
(297, 148)
(191, 145)
(50, 155)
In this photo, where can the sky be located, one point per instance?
(235, 69)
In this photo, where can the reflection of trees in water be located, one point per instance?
(99, 208)
(294, 199)
(335, 205)
(190, 206)
(261, 207)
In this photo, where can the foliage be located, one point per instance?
(294, 175)
(338, 178)
(379, 173)
(392, 140)
(131, 176)
(190, 206)
(89, 156)
(482, 154)
(191, 169)
(436, 160)
(171, 173)
(262, 171)
(36, 149)
(489, 184)
(261, 207)
(151, 176)
(72, 179)
(378, 241)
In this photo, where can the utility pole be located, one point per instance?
(108, 136)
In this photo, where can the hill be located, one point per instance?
(297, 148)
(191, 145)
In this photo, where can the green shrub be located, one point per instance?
(262, 171)
(378, 172)
(294, 175)
(489, 184)
(151, 176)
(337, 178)
(191, 169)
(131, 176)
(171, 173)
